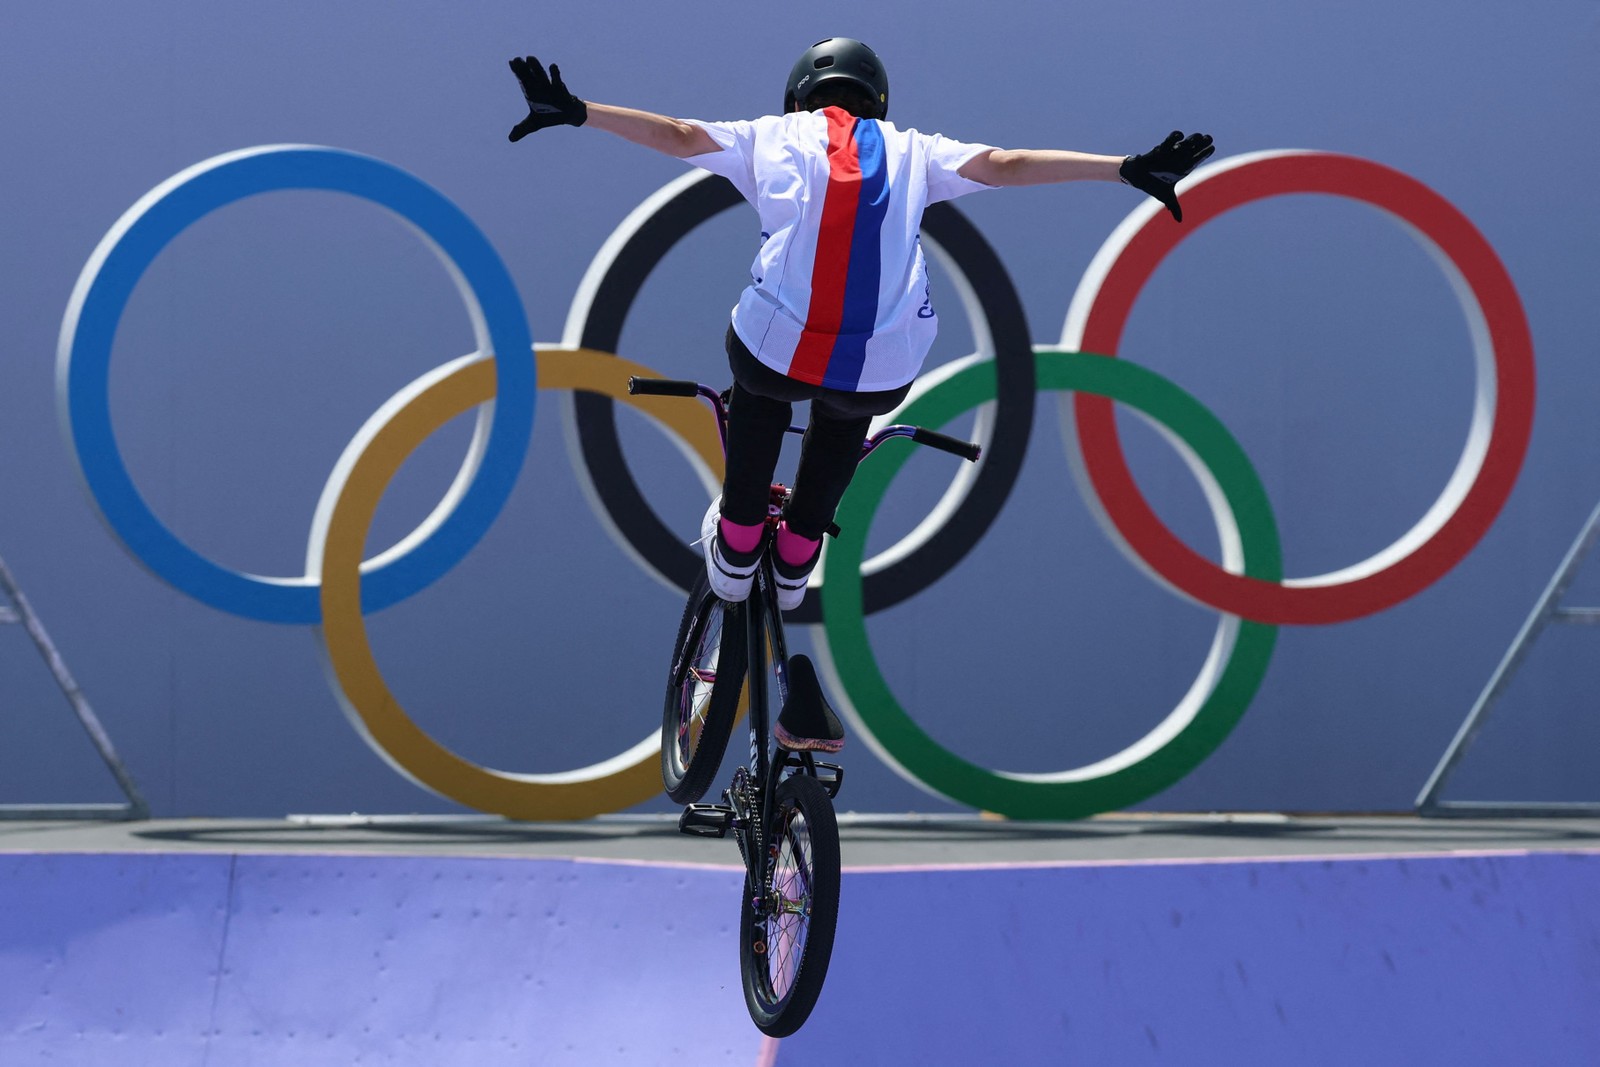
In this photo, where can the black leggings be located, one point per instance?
(758, 415)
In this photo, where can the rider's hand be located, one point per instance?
(549, 102)
(1158, 170)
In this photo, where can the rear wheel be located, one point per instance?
(708, 668)
(787, 924)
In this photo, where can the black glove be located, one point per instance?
(549, 102)
(1158, 170)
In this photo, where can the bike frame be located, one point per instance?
(766, 649)
(761, 618)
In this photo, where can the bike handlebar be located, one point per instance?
(945, 443)
(932, 438)
(662, 387)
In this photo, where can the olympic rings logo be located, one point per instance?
(1000, 379)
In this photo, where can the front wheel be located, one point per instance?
(786, 925)
(708, 667)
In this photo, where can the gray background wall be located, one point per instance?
(266, 334)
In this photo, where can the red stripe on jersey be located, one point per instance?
(832, 265)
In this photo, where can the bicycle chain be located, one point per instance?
(742, 797)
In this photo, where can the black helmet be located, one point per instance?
(838, 59)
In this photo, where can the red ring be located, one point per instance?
(1208, 196)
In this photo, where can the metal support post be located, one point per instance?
(20, 611)
(1547, 610)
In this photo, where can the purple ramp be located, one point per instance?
(1457, 960)
(340, 960)
(233, 961)
(109, 958)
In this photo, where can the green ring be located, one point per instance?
(1149, 765)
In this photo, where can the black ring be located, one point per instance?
(665, 550)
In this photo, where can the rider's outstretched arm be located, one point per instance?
(551, 103)
(1038, 166)
(673, 136)
(1156, 172)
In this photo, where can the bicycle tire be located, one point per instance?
(697, 717)
(783, 957)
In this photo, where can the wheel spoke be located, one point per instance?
(789, 903)
(702, 695)
(791, 917)
(699, 679)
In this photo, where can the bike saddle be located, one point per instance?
(807, 723)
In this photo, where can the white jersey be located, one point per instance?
(839, 292)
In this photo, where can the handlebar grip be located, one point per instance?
(945, 443)
(661, 387)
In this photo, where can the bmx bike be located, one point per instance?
(779, 806)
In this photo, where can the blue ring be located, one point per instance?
(102, 294)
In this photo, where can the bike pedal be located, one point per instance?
(831, 775)
(706, 820)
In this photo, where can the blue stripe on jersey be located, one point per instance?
(865, 276)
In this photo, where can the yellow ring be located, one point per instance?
(624, 780)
